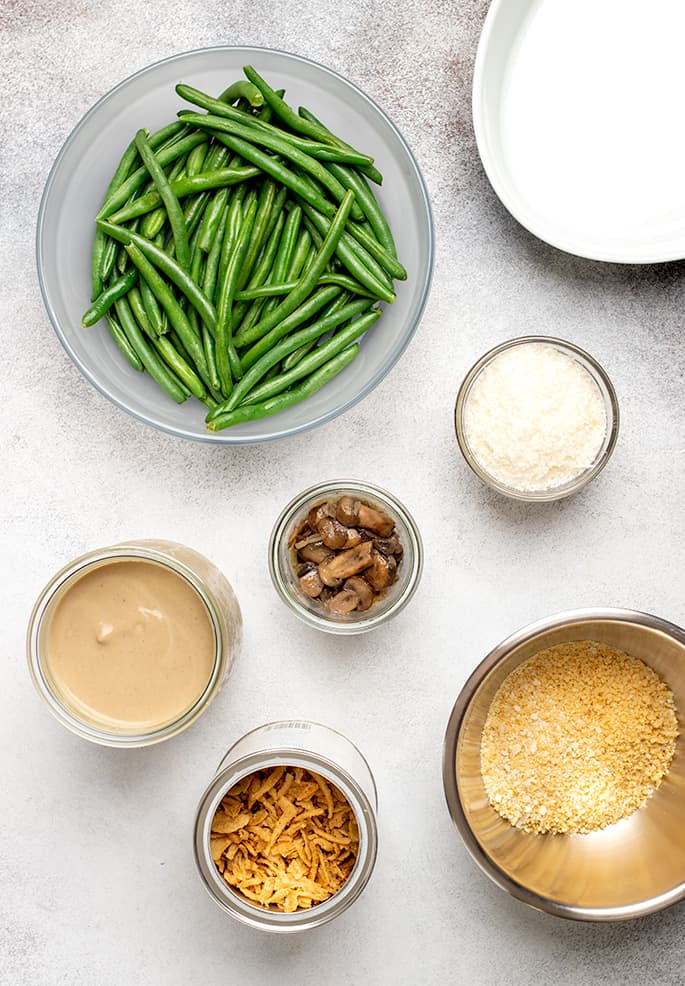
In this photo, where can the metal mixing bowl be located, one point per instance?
(626, 870)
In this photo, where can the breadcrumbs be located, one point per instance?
(577, 737)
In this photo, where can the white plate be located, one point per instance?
(578, 114)
(80, 176)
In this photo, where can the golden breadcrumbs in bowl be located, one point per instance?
(564, 764)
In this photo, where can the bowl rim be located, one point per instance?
(449, 778)
(225, 438)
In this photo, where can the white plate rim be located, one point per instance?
(225, 438)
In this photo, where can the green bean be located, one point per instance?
(175, 340)
(301, 315)
(278, 352)
(246, 314)
(155, 255)
(214, 215)
(321, 355)
(369, 242)
(155, 221)
(173, 209)
(322, 152)
(279, 202)
(284, 287)
(127, 161)
(371, 172)
(150, 360)
(196, 269)
(225, 362)
(181, 368)
(273, 167)
(122, 342)
(309, 307)
(152, 310)
(196, 159)
(135, 300)
(369, 206)
(105, 300)
(140, 177)
(212, 265)
(123, 264)
(241, 90)
(251, 412)
(265, 204)
(292, 359)
(381, 264)
(358, 263)
(170, 132)
(210, 356)
(282, 261)
(177, 317)
(107, 261)
(182, 187)
(192, 215)
(285, 112)
(280, 146)
(234, 221)
(299, 256)
(306, 283)
(317, 239)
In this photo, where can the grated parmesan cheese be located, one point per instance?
(534, 418)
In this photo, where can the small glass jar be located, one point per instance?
(608, 395)
(211, 586)
(314, 747)
(311, 611)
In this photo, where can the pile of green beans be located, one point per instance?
(240, 253)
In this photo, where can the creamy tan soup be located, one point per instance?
(130, 646)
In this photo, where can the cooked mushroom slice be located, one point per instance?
(376, 520)
(310, 539)
(311, 584)
(363, 589)
(344, 601)
(389, 546)
(334, 534)
(347, 563)
(347, 510)
(350, 511)
(317, 514)
(353, 537)
(382, 572)
(315, 552)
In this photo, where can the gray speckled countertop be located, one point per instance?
(96, 871)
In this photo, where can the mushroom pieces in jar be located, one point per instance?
(346, 554)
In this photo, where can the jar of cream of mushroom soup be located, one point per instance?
(128, 645)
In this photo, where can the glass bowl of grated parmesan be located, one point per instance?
(537, 418)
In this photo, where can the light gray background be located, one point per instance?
(97, 883)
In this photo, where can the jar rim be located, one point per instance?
(368, 620)
(609, 398)
(364, 812)
(69, 573)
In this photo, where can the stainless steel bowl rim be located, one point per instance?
(449, 777)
